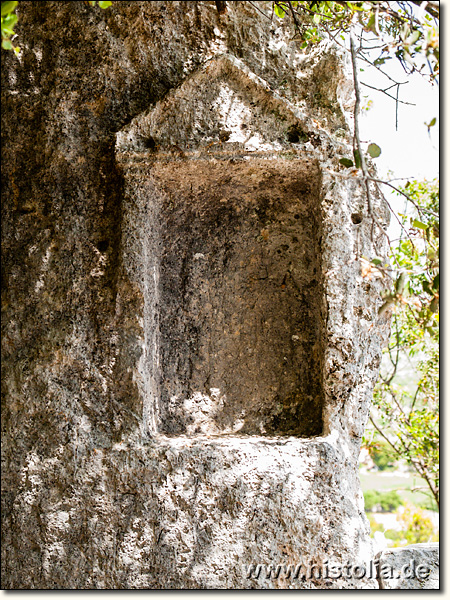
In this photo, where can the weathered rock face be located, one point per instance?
(238, 296)
(189, 349)
(415, 567)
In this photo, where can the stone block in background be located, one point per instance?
(415, 567)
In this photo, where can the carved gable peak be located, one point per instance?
(222, 107)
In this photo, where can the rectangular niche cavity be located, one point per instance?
(240, 298)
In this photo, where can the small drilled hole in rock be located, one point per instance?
(295, 134)
(356, 218)
(102, 246)
(224, 135)
(150, 143)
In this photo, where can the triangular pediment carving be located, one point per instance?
(222, 106)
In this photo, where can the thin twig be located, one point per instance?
(388, 381)
(365, 59)
(388, 95)
(387, 182)
(415, 398)
(259, 10)
(345, 176)
(356, 137)
(294, 18)
(399, 191)
(311, 12)
(391, 444)
(403, 228)
(420, 469)
(432, 8)
(396, 108)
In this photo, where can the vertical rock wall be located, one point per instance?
(189, 349)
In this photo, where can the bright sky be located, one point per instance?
(410, 151)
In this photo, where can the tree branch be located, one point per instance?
(356, 136)
(432, 8)
(399, 191)
(389, 95)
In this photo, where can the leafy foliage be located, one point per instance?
(417, 528)
(9, 20)
(417, 260)
(406, 410)
(408, 30)
(382, 455)
(382, 501)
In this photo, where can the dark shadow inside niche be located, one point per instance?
(241, 314)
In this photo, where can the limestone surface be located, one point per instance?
(415, 567)
(188, 346)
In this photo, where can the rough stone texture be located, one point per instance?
(415, 567)
(239, 297)
(189, 348)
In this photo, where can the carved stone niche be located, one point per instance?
(232, 285)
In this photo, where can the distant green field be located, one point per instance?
(403, 485)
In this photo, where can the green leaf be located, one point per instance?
(435, 283)
(9, 21)
(346, 162)
(104, 4)
(279, 11)
(374, 150)
(376, 261)
(415, 35)
(432, 331)
(8, 7)
(371, 24)
(426, 287)
(316, 18)
(419, 224)
(6, 44)
(401, 282)
(381, 60)
(354, 7)
(357, 157)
